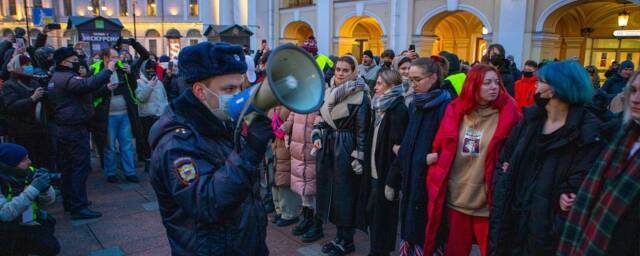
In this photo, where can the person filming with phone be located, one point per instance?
(117, 113)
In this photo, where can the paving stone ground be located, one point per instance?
(131, 225)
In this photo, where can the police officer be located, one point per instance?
(70, 95)
(207, 191)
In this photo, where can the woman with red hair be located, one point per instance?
(465, 150)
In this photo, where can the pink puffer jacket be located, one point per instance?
(303, 165)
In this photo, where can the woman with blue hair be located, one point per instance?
(543, 163)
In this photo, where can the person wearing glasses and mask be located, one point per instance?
(207, 188)
(70, 94)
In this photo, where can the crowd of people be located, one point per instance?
(59, 105)
(513, 161)
(447, 154)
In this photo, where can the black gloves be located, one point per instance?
(259, 134)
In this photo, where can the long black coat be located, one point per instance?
(207, 192)
(382, 214)
(409, 171)
(338, 187)
(532, 225)
(21, 109)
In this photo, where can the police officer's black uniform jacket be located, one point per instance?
(207, 193)
(72, 95)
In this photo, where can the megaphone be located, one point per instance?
(293, 80)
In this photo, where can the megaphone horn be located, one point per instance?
(293, 80)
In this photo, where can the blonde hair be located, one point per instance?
(390, 77)
(626, 98)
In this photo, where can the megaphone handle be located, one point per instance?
(238, 129)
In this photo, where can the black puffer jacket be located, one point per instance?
(208, 193)
(526, 218)
(21, 109)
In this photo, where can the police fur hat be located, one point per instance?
(205, 60)
(62, 53)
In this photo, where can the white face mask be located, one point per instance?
(221, 111)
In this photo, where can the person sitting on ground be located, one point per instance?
(25, 229)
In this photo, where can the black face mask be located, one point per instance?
(541, 102)
(387, 64)
(527, 73)
(150, 74)
(497, 60)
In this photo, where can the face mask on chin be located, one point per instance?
(221, 111)
(541, 102)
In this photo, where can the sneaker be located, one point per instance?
(285, 222)
(132, 179)
(112, 179)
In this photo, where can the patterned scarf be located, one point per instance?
(603, 198)
(342, 91)
(381, 103)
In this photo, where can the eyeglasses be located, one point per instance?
(417, 79)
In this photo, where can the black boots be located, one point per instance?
(315, 232)
(305, 224)
(343, 248)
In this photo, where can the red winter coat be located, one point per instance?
(525, 90)
(446, 145)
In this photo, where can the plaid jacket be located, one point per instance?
(603, 198)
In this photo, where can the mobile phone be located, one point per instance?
(53, 26)
(412, 47)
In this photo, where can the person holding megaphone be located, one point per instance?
(206, 187)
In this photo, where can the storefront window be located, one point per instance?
(124, 8)
(153, 46)
(151, 7)
(13, 10)
(37, 3)
(67, 7)
(193, 8)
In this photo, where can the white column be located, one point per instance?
(513, 17)
(206, 12)
(185, 9)
(226, 12)
(324, 31)
(404, 25)
(251, 20)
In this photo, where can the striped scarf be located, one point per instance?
(381, 103)
(603, 198)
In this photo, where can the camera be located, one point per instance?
(53, 176)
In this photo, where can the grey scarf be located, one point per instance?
(381, 103)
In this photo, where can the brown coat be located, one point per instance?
(281, 157)
(303, 165)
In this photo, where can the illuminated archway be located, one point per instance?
(296, 32)
(584, 30)
(360, 33)
(458, 32)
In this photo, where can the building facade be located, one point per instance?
(529, 29)
(157, 22)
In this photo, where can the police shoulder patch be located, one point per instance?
(186, 170)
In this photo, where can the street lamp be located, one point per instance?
(623, 21)
(623, 18)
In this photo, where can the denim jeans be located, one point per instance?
(119, 129)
